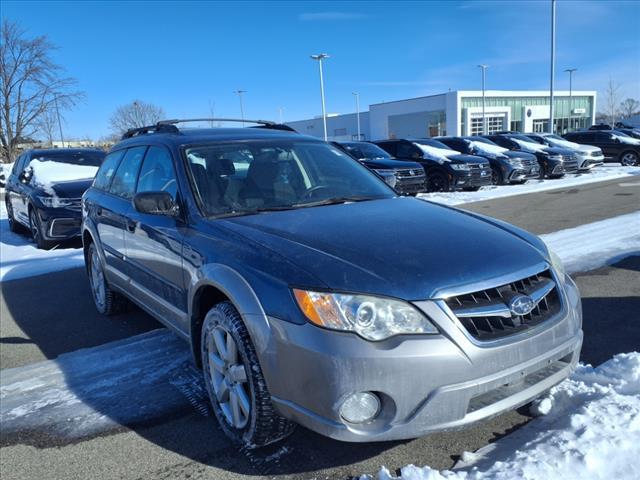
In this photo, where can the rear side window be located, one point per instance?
(157, 174)
(124, 181)
(107, 169)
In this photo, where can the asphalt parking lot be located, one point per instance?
(44, 317)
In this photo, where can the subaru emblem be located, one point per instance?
(521, 305)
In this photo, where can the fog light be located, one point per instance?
(360, 407)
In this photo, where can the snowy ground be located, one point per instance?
(20, 258)
(591, 431)
(609, 171)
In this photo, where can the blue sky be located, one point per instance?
(185, 56)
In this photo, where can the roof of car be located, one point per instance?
(202, 135)
(46, 151)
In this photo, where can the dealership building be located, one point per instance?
(459, 113)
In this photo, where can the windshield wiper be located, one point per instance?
(336, 201)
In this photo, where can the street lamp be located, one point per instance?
(553, 63)
(357, 95)
(570, 70)
(319, 58)
(484, 121)
(280, 109)
(240, 93)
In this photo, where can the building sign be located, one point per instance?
(578, 111)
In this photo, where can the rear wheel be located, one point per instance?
(36, 230)
(107, 301)
(234, 381)
(629, 159)
(14, 226)
(437, 181)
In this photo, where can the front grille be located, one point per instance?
(570, 163)
(410, 173)
(486, 315)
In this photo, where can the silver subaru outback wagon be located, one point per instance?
(311, 293)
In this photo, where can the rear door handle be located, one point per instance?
(131, 225)
(99, 211)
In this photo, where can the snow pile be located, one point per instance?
(440, 155)
(609, 171)
(595, 244)
(591, 432)
(482, 147)
(48, 173)
(530, 147)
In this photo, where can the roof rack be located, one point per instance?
(157, 128)
(260, 123)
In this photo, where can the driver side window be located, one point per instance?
(157, 173)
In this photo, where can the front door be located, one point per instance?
(154, 243)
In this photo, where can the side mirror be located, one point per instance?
(26, 175)
(156, 203)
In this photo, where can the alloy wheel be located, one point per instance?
(97, 280)
(228, 377)
(35, 226)
(629, 159)
(437, 184)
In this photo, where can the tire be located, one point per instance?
(107, 301)
(232, 375)
(437, 181)
(471, 189)
(629, 159)
(36, 230)
(14, 226)
(496, 176)
(543, 172)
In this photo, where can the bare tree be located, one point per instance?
(629, 107)
(612, 101)
(31, 84)
(47, 125)
(134, 115)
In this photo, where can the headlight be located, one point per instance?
(373, 318)
(557, 264)
(460, 166)
(54, 202)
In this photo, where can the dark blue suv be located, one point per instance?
(311, 293)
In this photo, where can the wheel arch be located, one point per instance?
(218, 283)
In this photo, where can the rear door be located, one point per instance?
(111, 214)
(154, 244)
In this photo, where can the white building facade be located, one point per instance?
(460, 113)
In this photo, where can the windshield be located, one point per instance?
(482, 140)
(365, 150)
(536, 139)
(87, 159)
(433, 143)
(553, 136)
(249, 177)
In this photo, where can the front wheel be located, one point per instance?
(629, 159)
(496, 176)
(437, 182)
(36, 230)
(14, 226)
(235, 383)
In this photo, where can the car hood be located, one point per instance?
(559, 151)
(517, 155)
(72, 188)
(388, 163)
(401, 247)
(464, 158)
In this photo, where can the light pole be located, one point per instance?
(553, 63)
(357, 95)
(319, 58)
(240, 93)
(280, 109)
(570, 70)
(484, 120)
(59, 122)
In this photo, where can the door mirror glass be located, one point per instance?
(155, 203)
(26, 175)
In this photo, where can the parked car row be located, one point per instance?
(44, 197)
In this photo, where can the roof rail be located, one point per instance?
(260, 123)
(157, 128)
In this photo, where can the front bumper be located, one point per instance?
(60, 223)
(478, 178)
(425, 383)
(411, 185)
(585, 164)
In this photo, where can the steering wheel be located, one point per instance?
(311, 192)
